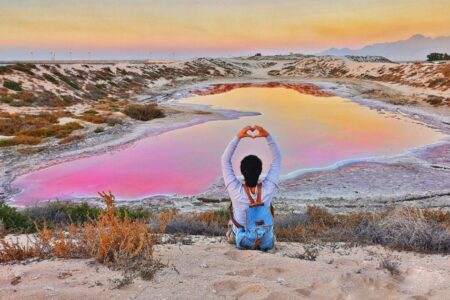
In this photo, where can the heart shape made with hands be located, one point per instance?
(253, 132)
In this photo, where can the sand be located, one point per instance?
(211, 268)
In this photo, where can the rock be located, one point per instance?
(16, 280)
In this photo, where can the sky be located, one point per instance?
(153, 29)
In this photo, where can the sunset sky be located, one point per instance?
(136, 28)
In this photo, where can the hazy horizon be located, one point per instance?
(138, 29)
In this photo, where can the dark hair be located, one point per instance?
(251, 168)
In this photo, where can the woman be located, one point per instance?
(251, 199)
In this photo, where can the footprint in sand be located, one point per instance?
(304, 292)
(241, 290)
(273, 273)
(239, 255)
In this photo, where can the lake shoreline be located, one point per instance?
(186, 117)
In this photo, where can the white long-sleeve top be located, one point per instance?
(235, 187)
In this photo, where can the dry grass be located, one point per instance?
(93, 118)
(120, 244)
(391, 265)
(143, 112)
(402, 228)
(407, 229)
(33, 129)
(20, 140)
(213, 223)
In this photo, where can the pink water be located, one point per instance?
(311, 131)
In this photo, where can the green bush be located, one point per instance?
(7, 142)
(51, 78)
(12, 85)
(99, 130)
(101, 86)
(13, 220)
(24, 68)
(67, 80)
(58, 215)
(4, 70)
(134, 213)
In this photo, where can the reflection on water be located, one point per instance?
(312, 132)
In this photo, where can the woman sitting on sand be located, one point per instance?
(251, 223)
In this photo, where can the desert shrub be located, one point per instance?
(190, 225)
(318, 223)
(57, 214)
(440, 216)
(12, 85)
(67, 99)
(99, 130)
(164, 218)
(26, 140)
(6, 99)
(101, 86)
(12, 220)
(93, 118)
(7, 143)
(216, 216)
(50, 78)
(211, 223)
(2, 229)
(120, 244)
(290, 220)
(91, 112)
(4, 70)
(133, 214)
(435, 101)
(405, 229)
(67, 80)
(143, 112)
(60, 214)
(24, 68)
(59, 131)
(114, 107)
(111, 121)
(25, 97)
(436, 82)
(12, 124)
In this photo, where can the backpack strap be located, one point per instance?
(254, 202)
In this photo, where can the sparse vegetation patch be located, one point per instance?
(143, 112)
(12, 85)
(119, 243)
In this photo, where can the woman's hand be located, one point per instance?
(245, 132)
(261, 132)
(248, 131)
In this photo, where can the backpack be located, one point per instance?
(258, 232)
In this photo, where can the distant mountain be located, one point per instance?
(416, 47)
